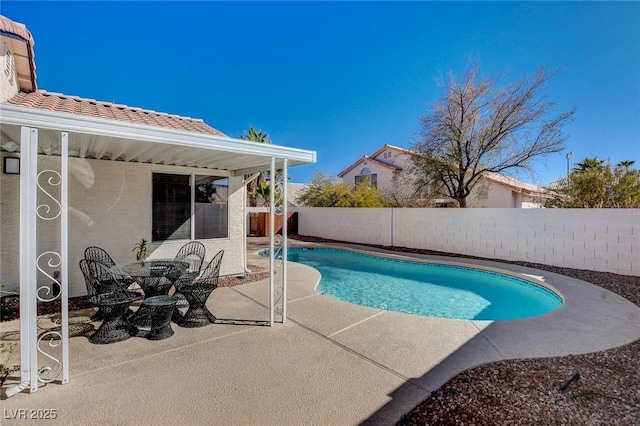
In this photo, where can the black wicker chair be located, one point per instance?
(92, 288)
(197, 292)
(113, 298)
(100, 255)
(192, 253)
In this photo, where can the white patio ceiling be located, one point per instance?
(91, 137)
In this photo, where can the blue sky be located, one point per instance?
(342, 78)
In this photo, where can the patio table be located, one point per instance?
(161, 310)
(155, 277)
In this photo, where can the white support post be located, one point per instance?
(64, 252)
(31, 275)
(192, 218)
(285, 235)
(28, 304)
(272, 209)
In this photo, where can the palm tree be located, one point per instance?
(589, 164)
(625, 165)
(255, 136)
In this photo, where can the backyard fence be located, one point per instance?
(605, 240)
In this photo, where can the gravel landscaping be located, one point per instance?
(528, 391)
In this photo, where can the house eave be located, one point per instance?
(237, 150)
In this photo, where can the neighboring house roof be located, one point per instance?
(367, 158)
(386, 147)
(21, 42)
(512, 183)
(294, 190)
(373, 159)
(92, 108)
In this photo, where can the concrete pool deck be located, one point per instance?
(330, 363)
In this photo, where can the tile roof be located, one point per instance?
(393, 148)
(8, 26)
(370, 159)
(92, 108)
(512, 183)
(19, 32)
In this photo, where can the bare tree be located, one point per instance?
(479, 127)
(402, 191)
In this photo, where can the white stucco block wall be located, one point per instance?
(363, 225)
(109, 206)
(605, 240)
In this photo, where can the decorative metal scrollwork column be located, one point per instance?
(49, 366)
(278, 243)
(49, 294)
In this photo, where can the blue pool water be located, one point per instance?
(428, 289)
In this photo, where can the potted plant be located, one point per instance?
(140, 250)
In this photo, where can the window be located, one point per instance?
(172, 207)
(483, 192)
(212, 214)
(387, 154)
(366, 176)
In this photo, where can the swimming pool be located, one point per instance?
(428, 289)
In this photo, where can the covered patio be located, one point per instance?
(78, 172)
(86, 180)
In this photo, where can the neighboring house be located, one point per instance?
(132, 174)
(498, 191)
(388, 170)
(294, 191)
(378, 168)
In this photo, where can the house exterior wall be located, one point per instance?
(605, 240)
(495, 196)
(384, 179)
(109, 206)
(8, 73)
(396, 159)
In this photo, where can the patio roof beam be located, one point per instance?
(102, 150)
(120, 151)
(44, 119)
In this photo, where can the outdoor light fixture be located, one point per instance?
(11, 166)
(569, 154)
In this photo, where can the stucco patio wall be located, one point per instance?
(109, 206)
(605, 240)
